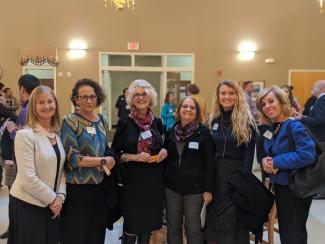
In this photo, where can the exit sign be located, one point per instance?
(134, 46)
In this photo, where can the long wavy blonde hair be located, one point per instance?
(241, 118)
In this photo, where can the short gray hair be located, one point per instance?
(149, 89)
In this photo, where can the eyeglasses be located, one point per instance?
(138, 95)
(190, 107)
(85, 98)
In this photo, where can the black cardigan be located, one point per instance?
(194, 172)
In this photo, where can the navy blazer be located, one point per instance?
(284, 156)
(316, 119)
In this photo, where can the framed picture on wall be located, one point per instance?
(258, 86)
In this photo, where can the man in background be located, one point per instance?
(194, 91)
(248, 88)
(121, 106)
(11, 101)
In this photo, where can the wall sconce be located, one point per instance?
(247, 50)
(77, 49)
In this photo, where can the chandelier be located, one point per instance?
(120, 4)
(321, 6)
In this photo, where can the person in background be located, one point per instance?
(309, 105)
(26, 83)
(234, 134)
(168, 110)
(189, 173)
(292, 212)
(11, 101)
(248, 88)
(121, 106)
(37, 194)
(293, 100)
(2, 95)
(138, 142)
(84, 136)
(194, 91)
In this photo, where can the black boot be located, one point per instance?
(144, 238)
(128, 239)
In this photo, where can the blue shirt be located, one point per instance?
(167, 115)
(285, 157)
(21, 120)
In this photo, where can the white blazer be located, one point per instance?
(36, 166)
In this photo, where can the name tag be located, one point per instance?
(268, 134)
(127, 107)
(215, 126)
(170, 110)
(91, 130)
(145, 135)
(193, 145)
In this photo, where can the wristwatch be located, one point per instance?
(103, 161)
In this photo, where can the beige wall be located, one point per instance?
(291, 31)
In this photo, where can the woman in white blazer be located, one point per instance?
(37, 195)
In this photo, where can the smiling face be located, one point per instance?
(45, 106)
(272, 107)
(86, 99)
(227, 97)
(187, 111)
(141, 100)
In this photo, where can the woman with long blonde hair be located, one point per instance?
(233, 129)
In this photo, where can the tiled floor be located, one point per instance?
(316, 223)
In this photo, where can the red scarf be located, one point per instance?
(182, 133)
(144, 125)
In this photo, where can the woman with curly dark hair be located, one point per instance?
(85, 139)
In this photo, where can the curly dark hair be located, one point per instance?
(88, 82)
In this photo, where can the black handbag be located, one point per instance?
(309, 180)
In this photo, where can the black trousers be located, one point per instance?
(84, 215)
(292, 215)
(31, 224)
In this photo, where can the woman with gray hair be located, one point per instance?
(138, 142)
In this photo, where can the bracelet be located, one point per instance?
(62, 195)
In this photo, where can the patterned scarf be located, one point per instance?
(144, 125)
(182, 133)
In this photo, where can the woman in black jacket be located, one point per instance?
(189, 172)
(233, 131)
(138, 142)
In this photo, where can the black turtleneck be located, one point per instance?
(226, 143)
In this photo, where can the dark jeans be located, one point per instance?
(292, 215)
(190, 207)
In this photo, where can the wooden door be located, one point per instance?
(302, 81)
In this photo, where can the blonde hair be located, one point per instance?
(281, 96)
(32, 116)
(149, 89)
(241, 117)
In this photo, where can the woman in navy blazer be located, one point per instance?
(274, 108)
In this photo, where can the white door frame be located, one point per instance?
(41, 67)
(163, 69)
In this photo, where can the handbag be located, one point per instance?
(309, 180)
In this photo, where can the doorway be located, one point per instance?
(302, 81)
(45, 73)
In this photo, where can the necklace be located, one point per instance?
(50, 135)
(277, 128)
(225, 136)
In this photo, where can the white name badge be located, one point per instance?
(91, 130)
(170, 110)
(193, 145)
(215, 126)
(146, 134)
(268, 134)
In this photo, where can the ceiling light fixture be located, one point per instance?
(120, 4)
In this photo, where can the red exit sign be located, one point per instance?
(134, 46)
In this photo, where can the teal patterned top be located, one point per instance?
(80, 140)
